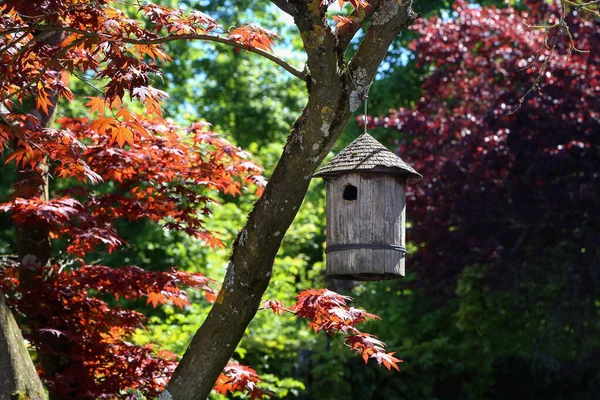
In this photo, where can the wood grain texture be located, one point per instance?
(376, 217)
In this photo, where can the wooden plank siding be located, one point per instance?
(376, 217)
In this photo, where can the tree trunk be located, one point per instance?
(33, 238)
(34, 254)
(335, 93)
(18, 377)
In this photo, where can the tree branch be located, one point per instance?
(170, 38)
(286, 6)
(17, 40)
(390, 18)
(330, 107)
(346, 33)
(318, 39)
(211, 38)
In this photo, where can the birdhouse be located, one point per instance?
(366, 211)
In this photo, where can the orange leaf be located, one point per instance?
(70, 39)
(153, 107)
(17, 155)
(232, 189)
(214, 242)
(211, 297)
(122, 135)
(96, 104)
(126, 114)
(104, 125)
(42, 101)
(387, 359)
(156, 298)
(342, 21)
(153, 51)
(139, 129)
(116, 103)
(179, 302)
(167, 355)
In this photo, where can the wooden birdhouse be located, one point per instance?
(366, 211)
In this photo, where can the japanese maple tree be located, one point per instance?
(510, 170)
(126, 162)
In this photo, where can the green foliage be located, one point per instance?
(272, 343)
(242, 94)
(7, 232)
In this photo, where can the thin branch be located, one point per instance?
(319, 41)
(192, 36)
(584, 6)
(85, 81)
(563, 28)
(15, 41)
(538, 78)
(347, 32)
(210, 38)
(14, 30)
(23, 50)
(589, 3)
(377, 40)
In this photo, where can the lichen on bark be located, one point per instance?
(18, 377)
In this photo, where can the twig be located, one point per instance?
(584, 6)
(536, 83)
(85, 81)
(14, 41)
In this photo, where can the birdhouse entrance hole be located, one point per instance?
(350, 192)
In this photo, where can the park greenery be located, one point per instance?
(495, 103)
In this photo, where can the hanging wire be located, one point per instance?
(366, 97)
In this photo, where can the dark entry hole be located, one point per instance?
(350, 192)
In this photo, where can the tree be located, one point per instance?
(506, 219)
(511, 166)
(160, 176)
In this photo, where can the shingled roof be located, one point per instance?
(367, 154)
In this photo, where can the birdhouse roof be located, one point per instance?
(367, 154)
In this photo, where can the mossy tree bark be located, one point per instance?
(18, 377)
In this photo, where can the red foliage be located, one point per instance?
(495, 180)
(275, 305)
(238, 378)
(155, 171)
(254, 36)
(164, 177)
(328, 311)
(99, 38)
(68, 323)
